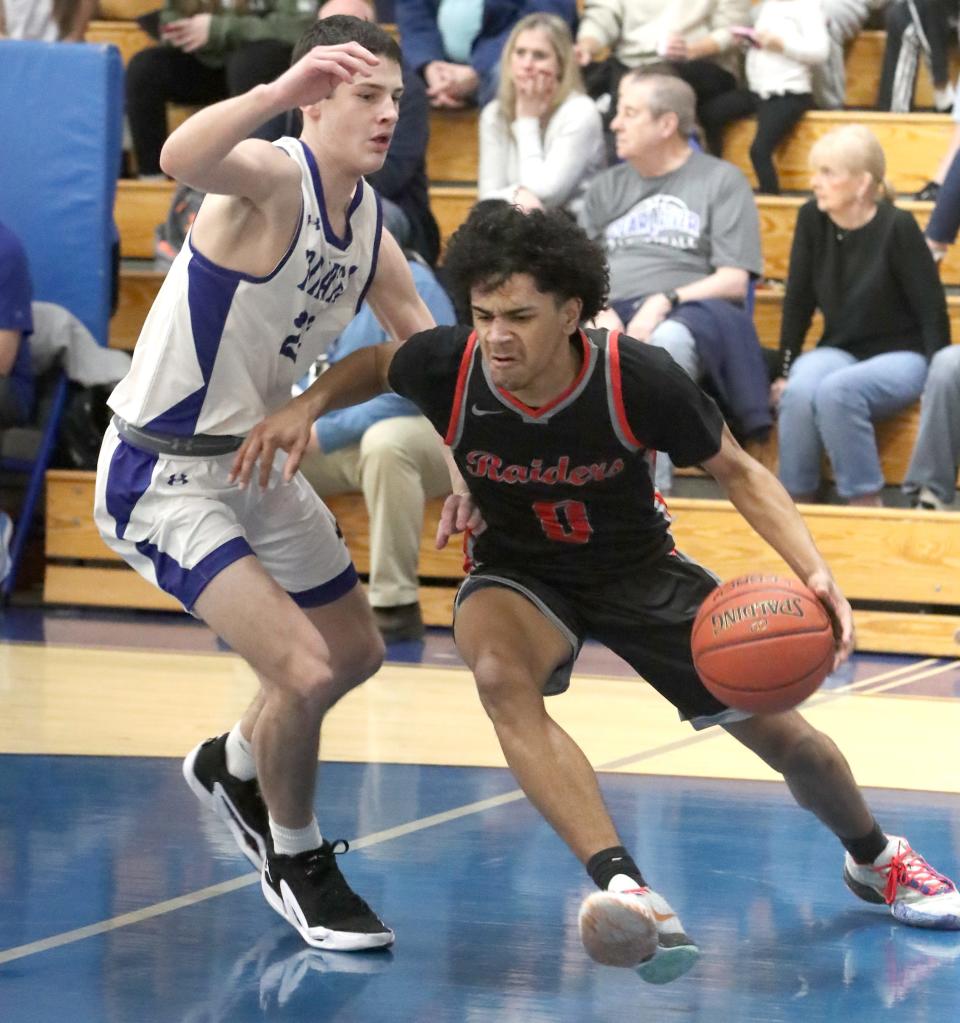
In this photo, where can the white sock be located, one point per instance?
(290, 841)
(622, 883)
(240, 762)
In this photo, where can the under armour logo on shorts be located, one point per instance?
(176, 479)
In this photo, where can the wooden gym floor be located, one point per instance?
(120, 901)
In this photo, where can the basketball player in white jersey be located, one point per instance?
(287, 245)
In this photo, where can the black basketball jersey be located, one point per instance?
(566, 489)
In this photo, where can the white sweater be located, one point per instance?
(633, 29)
(803, 28)
(554, 165)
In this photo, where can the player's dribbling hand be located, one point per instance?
(320, 71)
(288, 430)
(459, 513)
(841, 615)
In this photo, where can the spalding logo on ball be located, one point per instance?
(762, 643)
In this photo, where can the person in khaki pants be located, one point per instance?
(389, 451)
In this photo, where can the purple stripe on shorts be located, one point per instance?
(326, 593)
(186, 584)
(128, 478)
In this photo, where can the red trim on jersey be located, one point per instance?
(458, 394)
(535, 413)
(613, 346)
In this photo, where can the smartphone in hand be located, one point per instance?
(746, 34)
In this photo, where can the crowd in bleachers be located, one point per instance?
(616, 111)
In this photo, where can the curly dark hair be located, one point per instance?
(498, 240)
(342, 28)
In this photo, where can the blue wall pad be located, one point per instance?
(61, 124)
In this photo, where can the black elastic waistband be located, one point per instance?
(203, 445)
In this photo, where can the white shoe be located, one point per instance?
(617, 929)
(916, 894)
(943, 99)
(928, 500)
(637, 928)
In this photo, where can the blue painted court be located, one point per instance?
(121, 901)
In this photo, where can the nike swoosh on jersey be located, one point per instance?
(485, 411)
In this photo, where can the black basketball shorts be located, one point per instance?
(644, 616)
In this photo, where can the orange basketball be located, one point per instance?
(762, 643)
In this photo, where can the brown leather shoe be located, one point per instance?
(398, 623)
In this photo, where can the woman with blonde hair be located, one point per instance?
(541, 139)
(863, 262)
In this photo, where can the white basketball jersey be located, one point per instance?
(220, 349)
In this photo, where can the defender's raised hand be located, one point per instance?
(318, 73)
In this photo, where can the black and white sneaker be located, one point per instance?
(237, 803)
(310, 893)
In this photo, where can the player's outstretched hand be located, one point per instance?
(288, 430)
(841, 615)
(459, 513)
(318, 72)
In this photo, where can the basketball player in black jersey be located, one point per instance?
(553, 428)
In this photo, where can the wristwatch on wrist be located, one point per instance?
(672, 297)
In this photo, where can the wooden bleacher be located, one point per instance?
(864, 59)
(768, 310)
(913, 143)
(126, 10)
(128, 37)
(141, 205)
(920, 552)
(138, 289)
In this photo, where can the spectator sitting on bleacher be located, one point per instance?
(915, 27)
(931, 478)
(402, 180)
(944, 222)
(46, 20)
(863, 263)
(16, 378)
(456, 44)
(788, 39)
(692, 36)
(845, 18)
(541, 139)
(389, 451)
(211, 50)
(931, 190)
(682, 237)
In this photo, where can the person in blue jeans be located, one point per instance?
(944, 221)
(931, 477)
(863, 262)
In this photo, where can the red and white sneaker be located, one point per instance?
(916, 893)
(637, 928)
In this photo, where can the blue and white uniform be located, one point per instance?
(218, 352)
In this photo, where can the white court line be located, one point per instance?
(411, 827)
(938, 670)
(225, 887)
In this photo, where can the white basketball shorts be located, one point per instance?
(178, 522)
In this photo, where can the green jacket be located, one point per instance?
(285, 20)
